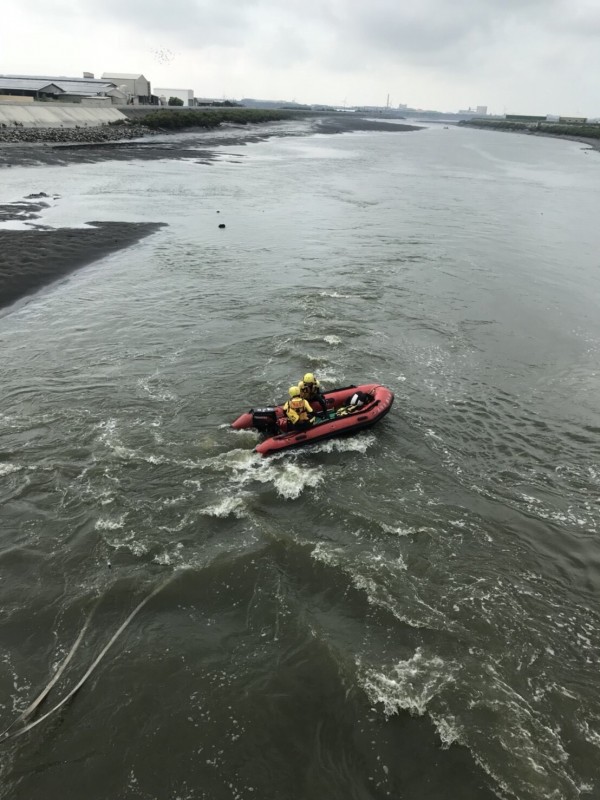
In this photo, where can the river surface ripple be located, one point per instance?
(412, 612)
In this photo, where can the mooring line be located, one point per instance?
(6, 735)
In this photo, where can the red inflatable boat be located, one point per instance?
(341, 418)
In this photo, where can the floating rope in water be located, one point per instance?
(6, 735)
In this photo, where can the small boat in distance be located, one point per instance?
(341, 418)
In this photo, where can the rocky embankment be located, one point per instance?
(15, 134)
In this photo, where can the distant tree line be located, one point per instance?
(589, 130)
(220, 103)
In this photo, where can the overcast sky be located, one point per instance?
(515, 56)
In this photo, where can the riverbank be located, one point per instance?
(546, 131)
(49, 136)
(61, 147)
(593, 144)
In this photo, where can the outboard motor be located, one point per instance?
(265, 420)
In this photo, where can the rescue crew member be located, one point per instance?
(310, 389)
(298, 410)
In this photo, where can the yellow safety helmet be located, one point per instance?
(309, 378)
(293, 391)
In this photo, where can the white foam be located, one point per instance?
(335, 294)
(125, 541)
(583, 517)
(229, 506)
(156, 393)
(411, 685)
(326, 554)
(332, 339)
(398, 530)
(291, 482)
(448, 729)
(401, 563)
(164, 559)
(281, 470)
(234, 461)
(287, 477)
(355, 444)
(8, 469)
(173, 501)
(110, 523)
(590, 735)
(182, 523)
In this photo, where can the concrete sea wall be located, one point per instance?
(55, 115)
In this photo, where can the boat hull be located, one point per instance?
(355, 421)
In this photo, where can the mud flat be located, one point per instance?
(31, 259)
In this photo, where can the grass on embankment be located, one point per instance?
(589, 131)
(169, 119)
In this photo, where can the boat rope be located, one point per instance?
(6, 735)
(30, 709)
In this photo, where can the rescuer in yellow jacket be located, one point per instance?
(298, 410)
(310, 389)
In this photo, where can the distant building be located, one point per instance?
(136, 87)
(186, 95)
(573, 120)
(523, 118)
(481, 111)
(252, 102)
(31, 88)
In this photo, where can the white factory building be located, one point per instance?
(136, 87)
(186, 95)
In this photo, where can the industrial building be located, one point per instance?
(185, 95)
(523, 118)
(86, 90)
(480, 111)
(573, 120)
(136, 87)
(547, 118)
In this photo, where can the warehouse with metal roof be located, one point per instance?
(87, 90)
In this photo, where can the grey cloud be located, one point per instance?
(346, 34)
(427, 25)
(433, 31)
(202, 23)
